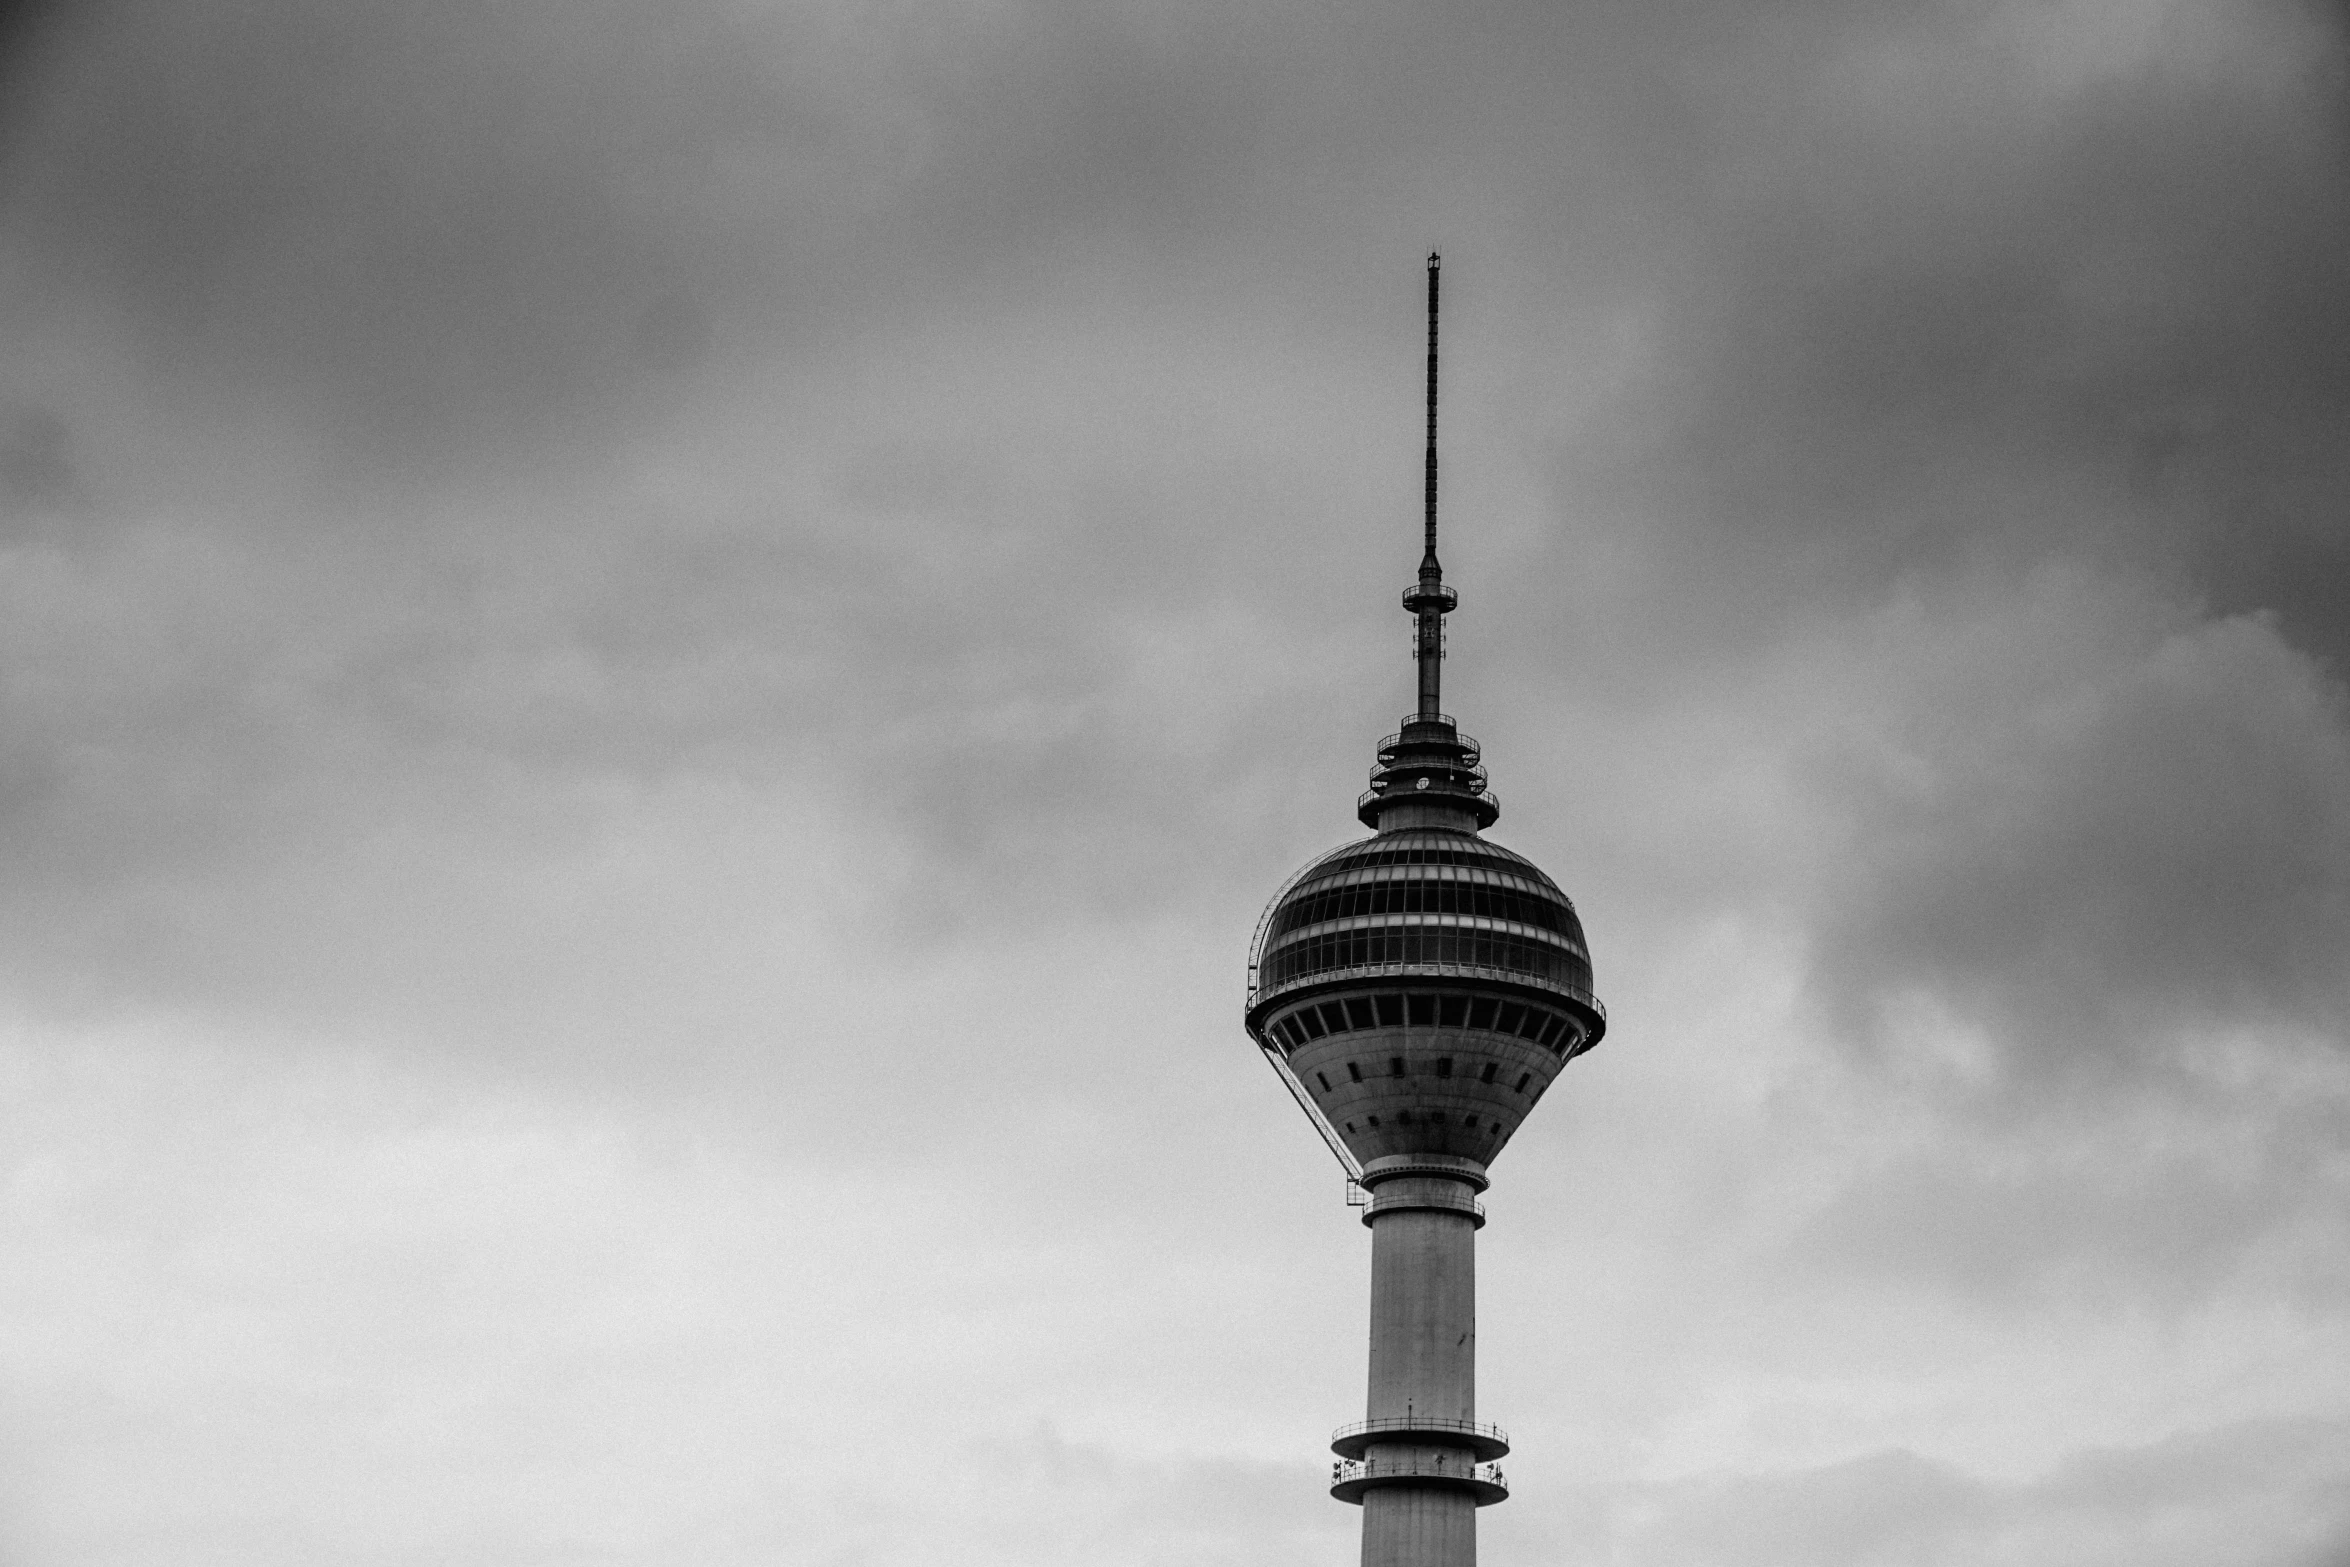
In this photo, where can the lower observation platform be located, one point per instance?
(1350, 1478)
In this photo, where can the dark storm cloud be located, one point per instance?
(23, 29)
(455, 223)
(1982, 296)
(1912, 293)
(1969, 295)
(448, 220)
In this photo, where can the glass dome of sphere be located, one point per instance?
(1422, 900)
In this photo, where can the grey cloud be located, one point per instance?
(450, 223)
(2099, 864)
(2138, 1209)
(2080, 896)
(36, 460)
(453, 230)
(2263, 1493)
(456, 220)
(1971, 301)
(752, 545)
(1965, 300)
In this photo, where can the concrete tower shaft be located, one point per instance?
(1421, 1415)
(1417, 991)
(1423, 1302)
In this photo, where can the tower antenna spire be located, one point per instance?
(1428, 565)
(1429, 600)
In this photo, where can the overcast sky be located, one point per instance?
(653, 660)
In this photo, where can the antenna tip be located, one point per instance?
(1432, 260)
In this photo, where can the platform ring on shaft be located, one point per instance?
(1349, 1479)
(1486, 1442)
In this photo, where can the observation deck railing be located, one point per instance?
(1465, 776)
(1350, 1478)
(1485, 795)
(1485, 1441)
(1429, 970)
(1397, 1203)
(1389, 744)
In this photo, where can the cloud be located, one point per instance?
(2099, 831)
(801, 572)
(444, 228)
(2072, 881)
(1967, 298)
(36, 465)
(2262, 1493)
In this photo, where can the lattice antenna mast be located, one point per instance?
(1430, 600)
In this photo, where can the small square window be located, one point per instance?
(1444, 1066)
(1395, 1066)
(1486, 1076)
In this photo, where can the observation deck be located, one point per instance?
(1393, 1202)
(1424, 728)
(1484, 1442)
(1425, 903)
(1429, 762)
(1350, 1478)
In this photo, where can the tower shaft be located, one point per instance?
(1423, 1383)
(1409, 1527)
(1423, 1306)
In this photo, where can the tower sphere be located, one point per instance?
(1424, 901)
(1425, 985)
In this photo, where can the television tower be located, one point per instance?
(1417, 990)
